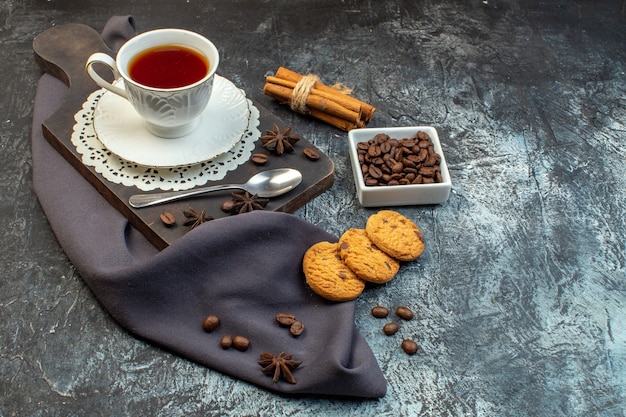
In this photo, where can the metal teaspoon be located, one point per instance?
(265, 184)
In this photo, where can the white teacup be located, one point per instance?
(169, 111)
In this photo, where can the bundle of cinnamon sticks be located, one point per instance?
(307, 95)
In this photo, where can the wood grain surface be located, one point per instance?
(520, 295)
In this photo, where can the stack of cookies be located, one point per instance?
(339, 271)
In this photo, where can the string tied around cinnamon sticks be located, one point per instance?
(301, 93)
(307, 95)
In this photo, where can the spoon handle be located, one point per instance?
(145, 200)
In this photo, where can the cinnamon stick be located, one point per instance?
(325, 103)
(353, 105)
(314, 102)
(367, 110)
(337, 122)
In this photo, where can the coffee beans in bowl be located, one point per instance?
(397, 166)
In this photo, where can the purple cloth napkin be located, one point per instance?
(244, 269)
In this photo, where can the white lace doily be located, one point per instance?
(119, 171)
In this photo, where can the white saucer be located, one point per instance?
(223, 124)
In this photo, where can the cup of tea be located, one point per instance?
(167, 76)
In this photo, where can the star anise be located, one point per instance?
(244, 203)
(279, 366)
(279, 142)
(195, 218)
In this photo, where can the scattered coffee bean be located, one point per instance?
(241, 343)
(409, 346)
(380, 312)
(285, 319)
(259, 158)
(210, 323)
(226, 341)
(227, 206)
(296, 328)
(312, 154)
(168, 219)
(388, 161)
(390, 328)
(404, 313)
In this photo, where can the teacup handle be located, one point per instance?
(104, 59)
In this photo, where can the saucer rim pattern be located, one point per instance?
(167, 159)
(117, 170)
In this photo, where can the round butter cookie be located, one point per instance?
(366, 260)
(395, 234)
(328, 276)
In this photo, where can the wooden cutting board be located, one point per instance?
(63, 50)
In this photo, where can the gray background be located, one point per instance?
(520, 294)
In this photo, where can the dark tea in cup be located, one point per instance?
(165, 74)
(168, 66)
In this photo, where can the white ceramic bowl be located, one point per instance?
(398, 195)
